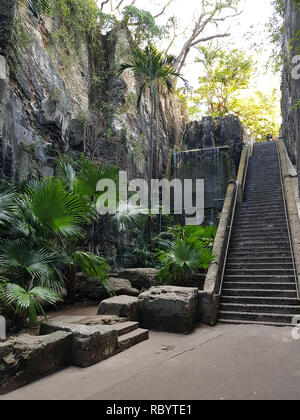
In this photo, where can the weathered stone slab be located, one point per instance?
(102, 320)
(169, 308)
(70, 319)
(122, 286)
(90, 344)
(140, 278)
(123, 306)
(27, 358)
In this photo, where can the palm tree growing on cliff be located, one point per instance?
(157, 73)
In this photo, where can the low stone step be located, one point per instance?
(259, 316)
(256, 308)
(244, 322)
(126, 327)
(259, 272)
(260, 279)
(258, 293)
(242, 265)
(132, 338)
(251, 285)
(260, 300)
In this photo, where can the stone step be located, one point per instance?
(259, 272)
(126, 327)
(252, 253)
(256, 223)
(242, 265)
(259, 226)
(262, 248)
(132, 338)
(260, 279)
(263, 201)
(256, 308)
(259, 219)
(260, 300)
(259, 242)
(259, 260)
(258, 293)
(260, 211)
(244, 322)
(285, 319)
(260, 236)
(253, 285)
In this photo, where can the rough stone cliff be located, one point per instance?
(57, 101)
(291, 85)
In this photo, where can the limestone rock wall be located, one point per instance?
(218, 132)
(53, 101)
(291, 86)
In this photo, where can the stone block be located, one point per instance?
(122, 306)
(90, 344)
(140, 278)
(169, 308)
(26, 358)
(122, 286)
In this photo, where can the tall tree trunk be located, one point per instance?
(151, 145)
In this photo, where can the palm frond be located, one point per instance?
(8, 205)
(90, 174)
(91, 265)
(57, 208)
(26, 263)
(29, 302)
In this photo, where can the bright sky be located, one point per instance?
(249, 32)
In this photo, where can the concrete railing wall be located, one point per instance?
(290, 190)
(209, 298)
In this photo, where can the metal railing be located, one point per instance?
(287, 222)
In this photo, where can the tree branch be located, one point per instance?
(163, 10)
(208, 38)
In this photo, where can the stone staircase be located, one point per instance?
(129, 334)
(259, 284)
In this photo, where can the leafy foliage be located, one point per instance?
(143, 24)
(40, 232)
(185, 251)
(30, 302)
(156, 72)
(227, 75)
(42, 6)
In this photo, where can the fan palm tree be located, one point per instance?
(184, 251)
(157, 72)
